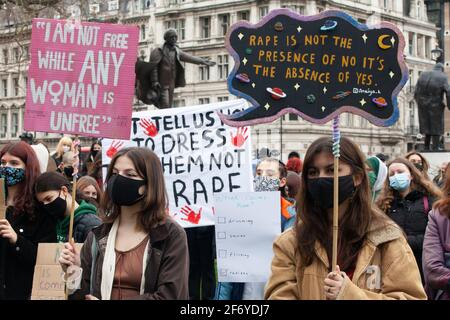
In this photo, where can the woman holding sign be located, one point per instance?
(24, 226)
(374, 259)
(139, 252)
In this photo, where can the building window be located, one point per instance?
(177, 103)
(419, 45)
(428, 47)
(203, 100)
(411, 43)
(143, 35)
(176, 1)
(293, 117)
(419, 9)
(222, 99)
(5, 56)
(244, 15)
(224, 23)
(113, 5)
(178, 25)
(296, 8)
(26, 52)
(205, 23)
(204, 71)
(320, 9)
(14, 124)
(16, 86)
(137, 5)
(5, 87)
(16, 54)
(3, 125)
(222, 64)
(263, 11)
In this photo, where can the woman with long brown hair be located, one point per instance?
(419, 161)
(139, 252)
(436, 246)
(407, 197)
(372, 251)
(25, 226)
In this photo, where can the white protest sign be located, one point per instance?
(200, 156)
(247, 223)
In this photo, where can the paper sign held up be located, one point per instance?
(48, 283)
(249, 223)
(81, 78)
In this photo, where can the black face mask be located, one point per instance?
(321, 190)
(56, 208)
(124, 191)
(419, 166)
(68, 171)
(94, 153)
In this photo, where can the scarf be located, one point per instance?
(109, 264)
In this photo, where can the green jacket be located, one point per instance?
(85, 219)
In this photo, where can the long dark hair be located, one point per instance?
(425, 164)
(419, 182)
(24, 201)
(155, 202)
(443, 204)
(54, 181)
(314, 224)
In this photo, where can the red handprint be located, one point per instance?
(191, 215)
(149, 127)
(113, 148)
(240, 138)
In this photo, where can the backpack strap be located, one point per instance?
(426, 205)
(94, 258)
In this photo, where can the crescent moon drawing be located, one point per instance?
(381, 44)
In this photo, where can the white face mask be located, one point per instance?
(66, 149)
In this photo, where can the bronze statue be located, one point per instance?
(429, 95)
(156, 80)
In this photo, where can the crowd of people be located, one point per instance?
(394, 229)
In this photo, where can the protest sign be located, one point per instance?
(247, 223)
(316, 67)
(48, 281)
(200, 156)
(81, 78)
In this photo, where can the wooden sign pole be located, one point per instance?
(336, 153)
(76, 163)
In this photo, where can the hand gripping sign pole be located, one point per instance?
(336, 154)
(75, 145)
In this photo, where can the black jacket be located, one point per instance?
(17, 261)
(83, 224)
(410, 214)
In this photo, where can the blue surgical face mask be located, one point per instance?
(400, 181)
(12, 176)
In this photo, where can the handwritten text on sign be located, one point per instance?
(316, 67)
(247, 223)
(81, 78)
(200, 156)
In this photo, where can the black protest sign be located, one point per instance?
(317, 67)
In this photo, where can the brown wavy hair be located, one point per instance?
(87, 181)
(443, 204)
(314, 224)
(418, 182)
(24, 201)
(425, 164)
(155, 201)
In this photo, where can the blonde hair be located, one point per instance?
(59, 148)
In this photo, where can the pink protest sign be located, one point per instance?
(81, 78)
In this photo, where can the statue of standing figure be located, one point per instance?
(429, 95)
(156, 80)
